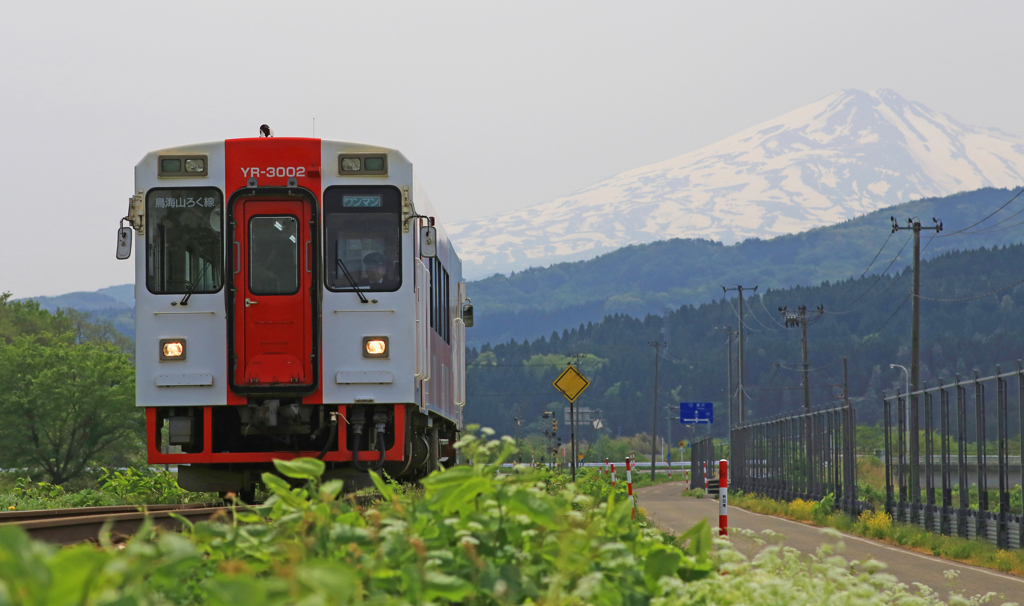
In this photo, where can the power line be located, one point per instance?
(990, 229)
(857, 348)
(761, 300)
(880, 276)
(863, 273)
(747, 326)
(989, 216)
(754, 315)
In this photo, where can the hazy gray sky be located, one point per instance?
(499, 105)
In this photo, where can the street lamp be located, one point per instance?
(905, 372)
(906, 409)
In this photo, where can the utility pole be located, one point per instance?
(572, 419)
(519, 432)
(800, 319)
(915, 341)
(846, 383)
(732, 413)
(654, 431)
(742, 403)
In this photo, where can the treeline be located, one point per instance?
(67, 395)
(866, 320)
(647, 278)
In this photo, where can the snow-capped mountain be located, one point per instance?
(847, 154)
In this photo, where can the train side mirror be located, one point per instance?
(428, 241)
(124, 242)
(467, 315)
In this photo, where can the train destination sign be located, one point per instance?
(691, 413)
(571, 383)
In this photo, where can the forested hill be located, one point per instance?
(867, 320)
(648, 278)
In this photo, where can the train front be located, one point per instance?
(284, 306)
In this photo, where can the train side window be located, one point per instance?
(363, 238)
(433, 292)
(440, 319)
(184, 241)
(447, 310)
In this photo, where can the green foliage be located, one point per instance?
(66, 407)
(135, 487)
(825, 507)
(67, 395)
(119, 487)
(474, 537)
(877, 524)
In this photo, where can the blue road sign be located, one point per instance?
(691, 413)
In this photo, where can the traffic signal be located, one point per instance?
(554, 425)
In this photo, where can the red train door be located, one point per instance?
(273, 337)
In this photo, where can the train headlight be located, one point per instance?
(351, 164)
(195, 165)
(375, 347)
(172, 349)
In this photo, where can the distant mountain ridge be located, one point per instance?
(114, 303)
(121, 296)
(847, 154)
(648, 278)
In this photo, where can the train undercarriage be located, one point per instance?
(227, 448)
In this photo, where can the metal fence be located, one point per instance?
(703, 462)
(905, 465)
(805, 456)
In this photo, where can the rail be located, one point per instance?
(76, 525)
(68, 526)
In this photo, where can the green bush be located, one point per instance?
(824, 508)
(135, 487)
(473, 537)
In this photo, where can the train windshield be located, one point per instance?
(184, 241)
(364, 238)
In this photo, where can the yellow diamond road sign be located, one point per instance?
(571, 383)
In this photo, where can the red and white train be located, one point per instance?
(293, 297)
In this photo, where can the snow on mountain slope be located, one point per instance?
(844, 155)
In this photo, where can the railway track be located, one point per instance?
(69, 526)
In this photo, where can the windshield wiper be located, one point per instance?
(348, 276)
(192, 286)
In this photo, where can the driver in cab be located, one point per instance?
(374, 269)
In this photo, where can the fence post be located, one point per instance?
(929, 481)
(981, 526)
(613, 475)
(961, 449)
(1003, 528)
(947, 489)
(1020, 411)
(723, 498)
(890, 504)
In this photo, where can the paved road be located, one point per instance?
(676, 514)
